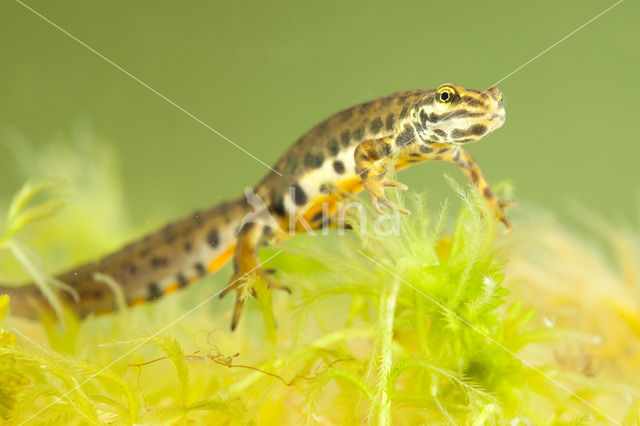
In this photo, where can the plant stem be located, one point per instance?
(383, 356)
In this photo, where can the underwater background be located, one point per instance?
(263, 73)
(110, 158)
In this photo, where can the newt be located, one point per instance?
(352, 150)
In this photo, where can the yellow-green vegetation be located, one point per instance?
(415, 326)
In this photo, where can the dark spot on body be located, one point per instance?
(322, 127)
(200, 269)
(418, 126)
(334, 147)
(458, 133)
(182, 280)
(338, 166)
(474, 176)
(365, 107)
(313, 160)
(473, 101)
(372, 152)
(488, 193)
(213, 238)
(278, 206)
(479, 92)
(145, 252)
(385, 149)
(415, 154)
(386, 101)
(428, 100)
(223, 208)
(358, 134)
(475, 130)
(389, 122)
(153, 291)
(478, 129)
(158, 262)
(404, 112)
(426, 149)
(298, 195)
(463, 113)
(424, 117)
(434, 118)
(291, 163)
(346, 114)
(406, 137)
(440, 133)
(376, 125)
(133, 269)
(345, 137)
(187, 246)
(434, 138)
(316, 217)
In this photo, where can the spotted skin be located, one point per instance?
(350, 151)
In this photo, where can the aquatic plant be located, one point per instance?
(404, 325)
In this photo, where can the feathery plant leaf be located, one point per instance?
(404, 320)
(23, 212)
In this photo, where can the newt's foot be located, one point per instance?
(507, 203)
(502, 204)
(238, 283)
(507, 223)
(375, 184)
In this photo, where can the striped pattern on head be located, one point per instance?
(452, 114)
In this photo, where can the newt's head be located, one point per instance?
(452, 114)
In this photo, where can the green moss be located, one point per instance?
(406, 328)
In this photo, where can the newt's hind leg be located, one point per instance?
(247, 264)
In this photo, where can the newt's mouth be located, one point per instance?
(498, 119)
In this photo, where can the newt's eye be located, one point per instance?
(445, 95)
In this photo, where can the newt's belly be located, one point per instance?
(323, 206)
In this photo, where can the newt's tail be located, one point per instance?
(159, 264)
(25, 301)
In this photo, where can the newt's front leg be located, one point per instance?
(471, 169)
(373, 160)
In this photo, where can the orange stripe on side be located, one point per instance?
(351, 186)
(221, 260)
(172, 288)
(137, 302)
(402, 164)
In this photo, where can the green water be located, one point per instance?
(262, 73)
